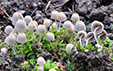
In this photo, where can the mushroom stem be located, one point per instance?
(21, 49)
(81, 40)
(95, 35)
(59, 25)
(32, 35)
(13, 49)
(88, 40)
(55, 21)
(40, 39)
(50, 43)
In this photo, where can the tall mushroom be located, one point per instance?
(47, 22)
(97, 28)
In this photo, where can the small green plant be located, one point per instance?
(26, 67)
(49, 65)
(107, 42)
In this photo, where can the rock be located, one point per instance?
(106, 20)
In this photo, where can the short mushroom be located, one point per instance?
(97, 28)
(90, 37)
(61, 17)
(21, 38)
(41, 30)
(52, 69)
(75, 17)
(80, 26)
(28, 19)
(69, 47)
(67, 25)
(4, 50)
(40, 68)
(103, 35)
(70, 31)
(20, 25)
(54, 15)
(47, 22)
(8, 29)
(50, 37)
(54, 25)
(41, 61)
(14, 32)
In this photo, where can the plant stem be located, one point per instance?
(40, 39)
(95, 35)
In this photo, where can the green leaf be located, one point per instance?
(99, 40)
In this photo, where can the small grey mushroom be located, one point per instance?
(97, 28)
(67, 25)
(54, 15)
(47, 22)
(14, 32)
(41, 61)
(8, 29)
(80, 26)
(4, 50)
(69, 47)
(103, 35)
(75, 17)
(81, 35)
(28, 19)
(15, 18)
(90, 37)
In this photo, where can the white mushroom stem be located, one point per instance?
(13, 49)
(81, 40)
(88, 40)
(32, 35)
(21, 49)
(59, 25)
(50, 43)
(56, 21)
(40, 39)
(95, 35)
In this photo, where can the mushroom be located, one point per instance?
(81, 35)
(27, 19)
(90, 37)
(75, 17)
(8, 29)
(14, 32)
(21, 38)
(54, 25)
(21, 25)
(32, 26)
(97, 28)
(103, 35)
(40, 68)
(61, 17)
(52, 69)
(67, 25)
(80, 26)
(4, 50)
(41, 30)
(11, 40)
(47, 22)
(41, 61)
(69, 47)
(50, 37)
(54, 15)
(99, 47)
(70, 31)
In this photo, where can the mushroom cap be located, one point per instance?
(96, 24)
(81, 33)
(20, 15)
(8, 29)
(67, 25)
(80, 26)
(70, 31)
(76, 39)
(55, 25)
(54, 14)
(52, 69)
(47, 22)
(21, 38)
(14, 32)
(90, 34)
(41, 61)
(69, 47)
(20, 25)
(28, 19)
(61, 17)
(15, 18)
(50, 36)
(103, 35)
(75, 17)
(4, 50)
(32, 25)
(10, 40)
(40, 68)
(41, 30)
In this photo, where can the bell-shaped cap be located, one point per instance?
(91, 36)
(103, 35)
(4, 50)
(76, 39)
(8, 29)
(32, 25)
(61, 17)
(21, 38)
(67, 25)
(14, 32)
(70, 31)
(21, 25)
(80, 26)
(69, 47)
(28, 19)
(81, 33)
(41, 30)
(15, 18)
(47, 22)
(41, 61)
(54, 14)
(52, 69)
(40, 68)
(96, 24)
(10, 40)
(50, 36)
(75, 17)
